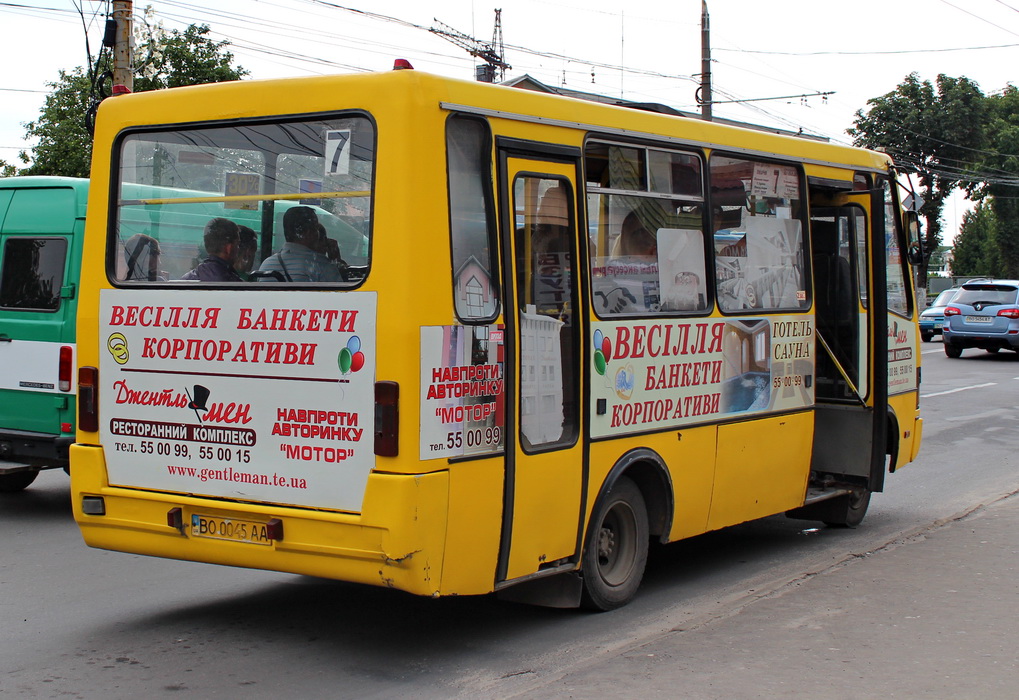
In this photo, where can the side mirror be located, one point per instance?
(914, 251)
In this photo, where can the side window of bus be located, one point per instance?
(280, 202)
(471, 220)
(758, 236)
(32, 273)
(646, 230)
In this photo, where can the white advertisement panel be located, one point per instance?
(654, 375)
(260, 396)
(462, 391)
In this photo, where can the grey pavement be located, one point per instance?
(931, 615)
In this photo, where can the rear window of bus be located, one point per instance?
(172, 184)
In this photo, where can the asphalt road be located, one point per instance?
(81, 623)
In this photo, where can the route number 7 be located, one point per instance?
(337, 153)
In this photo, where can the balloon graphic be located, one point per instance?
(606, 349)
(599, 362)
(598, 337)
(345, 360)
(354, 344)
(356, 361)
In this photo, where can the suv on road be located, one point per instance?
(983, 315)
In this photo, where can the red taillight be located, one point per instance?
(1009, 313)
(88, 399)
(952, 311)
(387, 419)
(66, 367)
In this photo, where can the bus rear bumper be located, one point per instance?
(407, 554)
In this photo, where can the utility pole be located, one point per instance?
(704, 92)
(494, 55)
(123, 50)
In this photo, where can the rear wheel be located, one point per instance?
(927, 337)
(993, 350)
(616, 550)
(18, 481)
(953, 350)
(857, 504)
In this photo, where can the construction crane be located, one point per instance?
(494, 54)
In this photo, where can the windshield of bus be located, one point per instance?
(280, 202)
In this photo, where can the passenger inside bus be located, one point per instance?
(141, 252)
(247, 247)
(300, 259)
(222, 243)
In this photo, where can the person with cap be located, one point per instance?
(299, 260)
(222, 243)
(141, 253)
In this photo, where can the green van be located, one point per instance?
(42, 220)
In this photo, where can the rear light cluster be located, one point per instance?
(65, 368)
(1009, 313)
(952, 311)
(88, 399)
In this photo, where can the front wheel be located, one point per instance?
(953, 350)
(18, 481)
(615, 553)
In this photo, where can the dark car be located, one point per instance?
(983, 315)
(933, 317)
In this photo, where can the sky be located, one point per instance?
(772, 61)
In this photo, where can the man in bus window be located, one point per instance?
(299, 260)
(222, 242)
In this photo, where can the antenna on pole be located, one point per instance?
(494, 54)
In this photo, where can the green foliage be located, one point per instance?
(174, 59)
(931, 131)
(975, 251)
(6, 169)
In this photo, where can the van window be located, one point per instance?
(32, 273)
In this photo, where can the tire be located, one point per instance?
(858, 503)
(993, 350)
(953, 350)
(18, 481)
(615, 553)
(927, 337)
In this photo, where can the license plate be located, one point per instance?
(937, 326)
(212, 527)
(979, 319)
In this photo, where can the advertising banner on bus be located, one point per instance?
(654, 375)
(237, 396)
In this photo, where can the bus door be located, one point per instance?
(544, 449)
(846, 437)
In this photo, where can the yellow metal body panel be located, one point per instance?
(398, 543)
(761, 468)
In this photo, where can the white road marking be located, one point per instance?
(962, 388)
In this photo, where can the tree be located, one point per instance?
(932, 133)
(164, 60)
(975, 251)
(1000, 162)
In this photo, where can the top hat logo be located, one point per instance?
(199, 398)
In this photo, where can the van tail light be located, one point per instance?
(88, 399)
(952, 311)
(387, 419)
(65, 367)
(1009, 313)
